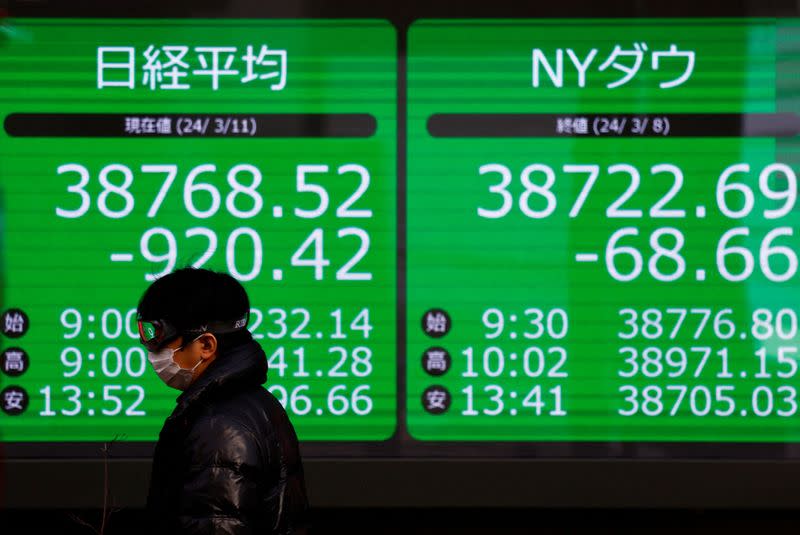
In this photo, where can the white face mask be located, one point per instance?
(168, 370)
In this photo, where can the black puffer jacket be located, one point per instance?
(227, 459)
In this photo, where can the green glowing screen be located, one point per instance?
(603, 230)
(266, 149)
(597, 238)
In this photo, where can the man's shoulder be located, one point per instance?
(249, 408)
(227, 431)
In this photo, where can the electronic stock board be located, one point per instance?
(593, 238)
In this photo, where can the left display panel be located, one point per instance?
(265, 149)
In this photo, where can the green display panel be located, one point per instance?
(602, 230)
(265, 149)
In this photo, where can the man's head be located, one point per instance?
(187, 318)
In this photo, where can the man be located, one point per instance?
(227, 459)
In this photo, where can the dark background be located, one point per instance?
(621, 493)
(455, 521)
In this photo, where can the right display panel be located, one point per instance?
(602, 230)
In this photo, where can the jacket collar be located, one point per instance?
(243, 364)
